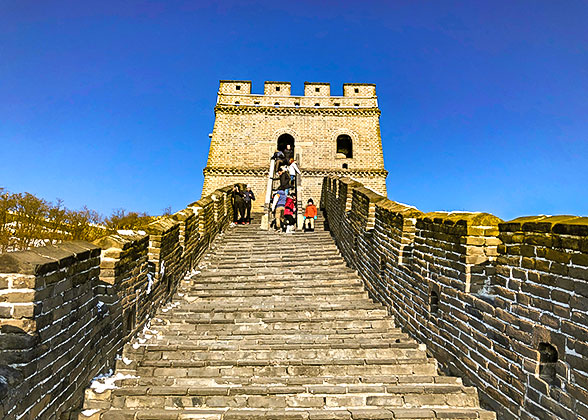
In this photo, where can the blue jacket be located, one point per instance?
(281, 198)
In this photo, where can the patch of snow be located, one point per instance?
(162, 268)
(127, 361)
(136, 346)
(150, 283)
(102, 383)
(88, 413)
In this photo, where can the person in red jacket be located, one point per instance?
(289, 213)
(310, 216)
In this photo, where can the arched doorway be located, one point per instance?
(284, 140)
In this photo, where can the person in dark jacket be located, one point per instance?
(280, 160)
(284, 180)
(248, 196)
(238, 205)
(288, 153)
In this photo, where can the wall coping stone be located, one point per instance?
(562, 224)
(42, 260)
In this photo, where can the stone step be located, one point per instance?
(292, 414)
(281, 342)
(311, 368)
(310, 284)
(194, 314)
(294, 299)
(290, 380)
(279, 306)
(318, 290)
(187, 358)
(357, 396)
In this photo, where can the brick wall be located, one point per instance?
(502, 304)
(67, 310)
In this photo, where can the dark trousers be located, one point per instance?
(238, 207)
(248, 211)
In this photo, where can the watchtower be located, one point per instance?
(330, 135)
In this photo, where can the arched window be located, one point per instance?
(547, 362)
(345, 146)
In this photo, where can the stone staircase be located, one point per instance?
(276, 326)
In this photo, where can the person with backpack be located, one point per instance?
(278, 207)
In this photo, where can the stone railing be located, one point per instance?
(67, 310)
(502, 304)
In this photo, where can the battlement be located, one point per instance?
(279, 94)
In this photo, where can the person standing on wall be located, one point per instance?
(280, 159)
(238, 205)
(310, 216)
(284, 180)
(248, 196)
(278, 206)
(293, 170)
(288, 153)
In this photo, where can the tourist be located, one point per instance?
(289, 213)
(293, 170)
(310, 216)
(284, 180)
(248, 196)
(238, 205)
(279, 159)
(288, 153)
(278, 206)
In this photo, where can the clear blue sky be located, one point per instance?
(484, 103)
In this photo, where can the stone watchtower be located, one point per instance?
(330, 135)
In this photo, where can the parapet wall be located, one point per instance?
(502, 304)
(67, 310)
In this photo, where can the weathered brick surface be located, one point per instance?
(247, 128)
(67, 310)
(484, 295)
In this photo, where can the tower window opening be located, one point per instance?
(345, 145)
(317, 104)
(238, 87)
(434, 302)
(256, 103)
(547, 363)
(277, 104)
(345, 166)
(356, 105)
(277, 88)
(337, 104)
(296, 103)
(236, 102)
(317, 89)
(356, 90)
